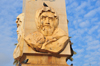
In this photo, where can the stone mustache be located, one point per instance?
(48, 37)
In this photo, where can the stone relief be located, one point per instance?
(20, 32)
(48, 37)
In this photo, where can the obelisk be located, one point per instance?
(44, 39)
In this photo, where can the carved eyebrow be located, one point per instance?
(51, 17)
(44, 16)
(48, 16)
(55, 17)
(16, 21)
(17, 18)
(17, 25)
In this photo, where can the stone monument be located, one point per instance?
(43, 34)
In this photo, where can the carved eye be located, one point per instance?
(17, 18)
(18, 25)
(55, 17)
(16, 21)
(44, 18)
(20, 21)
(50, 18)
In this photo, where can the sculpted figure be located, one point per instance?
(18, 50)
(48, 37)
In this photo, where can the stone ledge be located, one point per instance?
(43, 65)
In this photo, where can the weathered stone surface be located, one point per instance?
(48, 37)
(18, 52)
(33, 8)
(43, 33)
(45, 60)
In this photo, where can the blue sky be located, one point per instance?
(84, 24)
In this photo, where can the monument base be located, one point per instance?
(43, 65)
(45, 60)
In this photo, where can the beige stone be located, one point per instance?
(45, 60)
(18, 52)
(43, 34)
(30, 8)
(48, 38)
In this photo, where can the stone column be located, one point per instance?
(51, 53)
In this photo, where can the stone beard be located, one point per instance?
(47, 23)
(47, 30)
(19, 48)
(19, 30)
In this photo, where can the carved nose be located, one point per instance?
(17, 30)
(47, 21)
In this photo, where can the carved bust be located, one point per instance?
(18, 50)
(19, 22)
(48, 38)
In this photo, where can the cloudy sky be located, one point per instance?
(84, 28)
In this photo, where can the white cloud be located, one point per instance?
(92, 57)
(79, 20)
(93, 29)
(74, 4)
(93, 0)
(98, 36)
(93, 42)
(79, 50)
(86, 64)
(71, 7)
(88, 38)
(83, 5)
(78, 56)
(5, 59)
(92, 12)
(75, 23)
(85, 32)
(98, 30)
(94, 62)
(93, 47)
(87, 56)
(98, 3)
(68, 1)
(8, 36)
(99, 64)
(78, 32)
(94, 19)
(84, 24)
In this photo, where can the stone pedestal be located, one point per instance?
(45, 60)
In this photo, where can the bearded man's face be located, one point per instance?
(47, 23)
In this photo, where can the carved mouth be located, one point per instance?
(46, 25)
